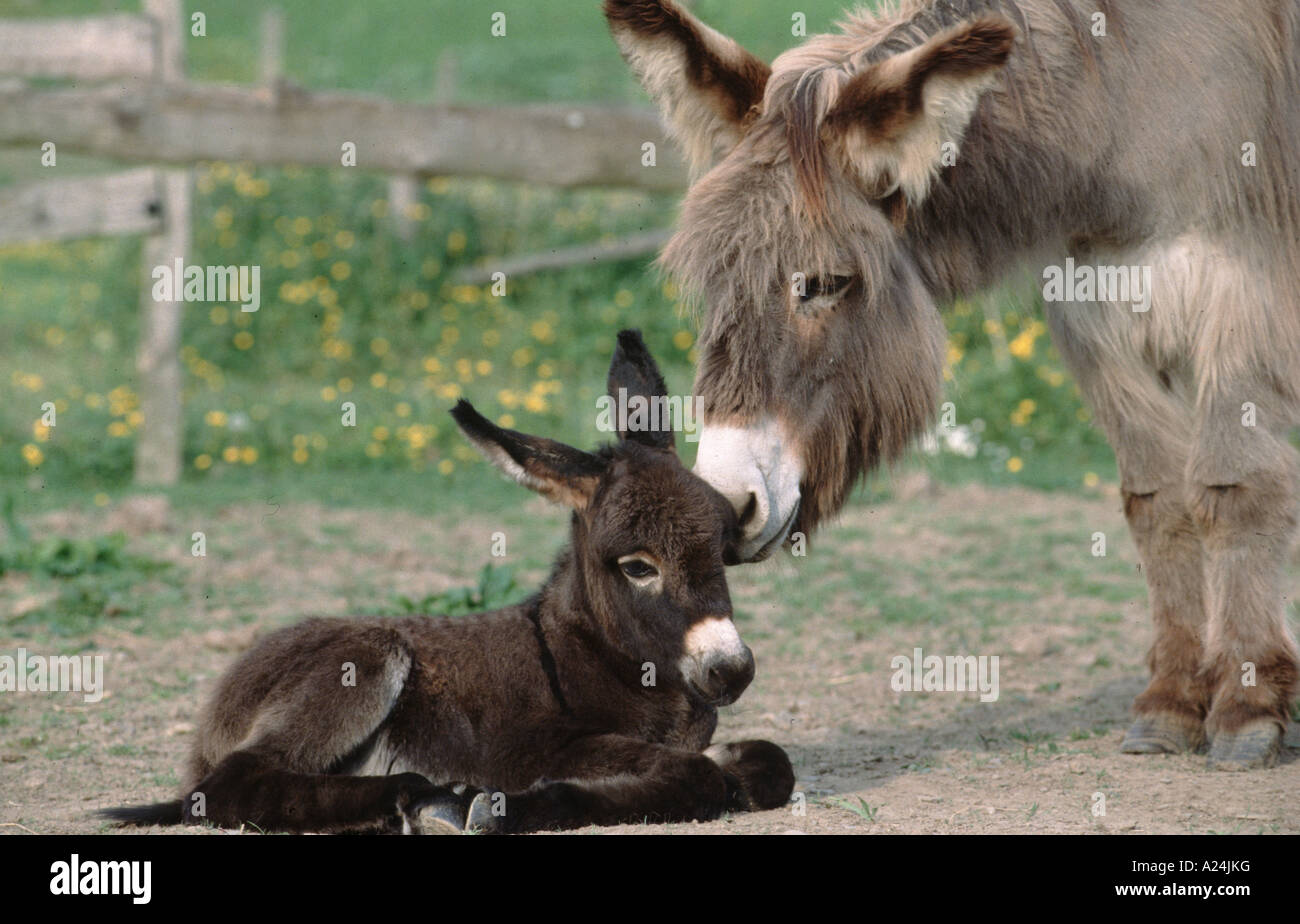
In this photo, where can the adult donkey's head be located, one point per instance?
(821, 352)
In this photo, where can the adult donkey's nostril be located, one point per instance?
(745, 503)
(745, 514)
(753, 515)
(758, 469)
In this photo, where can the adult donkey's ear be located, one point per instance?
(706, 86)
(634, 372)
(893, 118)
(561, 473)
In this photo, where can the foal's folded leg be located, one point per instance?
(250, 788)
(758, 774)
(276, 747)
(608, 780)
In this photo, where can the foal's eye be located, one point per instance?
(638, 569)
(824, 285)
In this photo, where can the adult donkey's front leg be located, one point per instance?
(1150, 431)
(1244, 475)
(610, 779)
(1170, 712)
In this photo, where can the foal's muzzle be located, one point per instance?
(716, 665)
(720, 681)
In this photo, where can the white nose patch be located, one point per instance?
(713, 638)
(759, 461)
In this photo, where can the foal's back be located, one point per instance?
(365, 696)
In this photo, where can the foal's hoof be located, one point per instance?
(1162, 733)
(1254, 745)
(441, 816)
(481, 818)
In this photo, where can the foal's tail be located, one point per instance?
(160, 813)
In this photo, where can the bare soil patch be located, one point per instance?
(868, 759)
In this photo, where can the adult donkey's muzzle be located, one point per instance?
(757, 470)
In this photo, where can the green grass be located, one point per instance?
(862, 808)
(495, 588)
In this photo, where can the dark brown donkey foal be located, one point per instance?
(592, 702)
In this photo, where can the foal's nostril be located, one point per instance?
(727, 677)
(717, 678)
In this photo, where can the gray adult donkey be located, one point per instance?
(923, 153)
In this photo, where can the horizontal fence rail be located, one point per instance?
(89, 48)
(129, 202)
(550, 144)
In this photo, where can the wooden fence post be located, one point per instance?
(271, 55)
(404, 188)
(159, 440)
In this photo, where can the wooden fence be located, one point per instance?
(131, 103)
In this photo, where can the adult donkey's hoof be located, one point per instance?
(1162, 733)
(1254, 745)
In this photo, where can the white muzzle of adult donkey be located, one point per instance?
(758, 470)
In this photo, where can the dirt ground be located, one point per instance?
(967, 570)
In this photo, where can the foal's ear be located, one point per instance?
(554, 470)
(893, 119)
(634, 371)
(706, 86)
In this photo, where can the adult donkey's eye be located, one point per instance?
(638, 569)
(824, 285)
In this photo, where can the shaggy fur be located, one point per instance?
(1122, 149)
